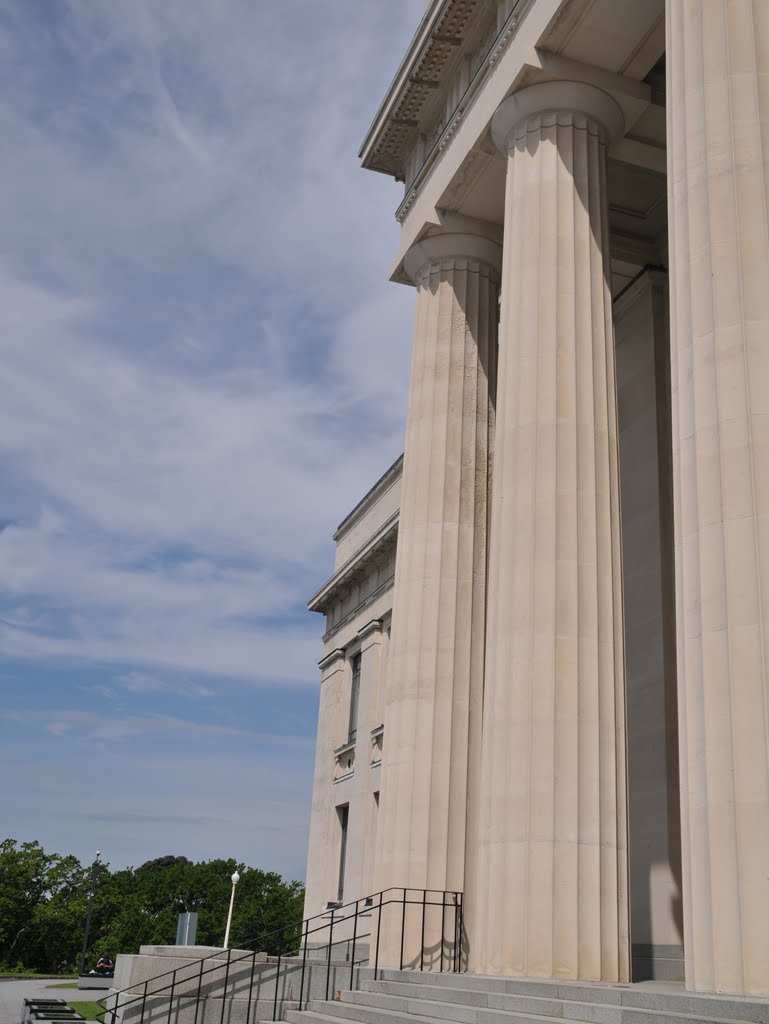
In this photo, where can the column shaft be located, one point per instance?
(435, 689)
(718, 188)
(553, 872)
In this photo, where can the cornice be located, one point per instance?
(432, 58)
(386, 480)
(499, 42)
(433, 47)
(382, 540)
(355, 612)
(330, 658)
(373, 626)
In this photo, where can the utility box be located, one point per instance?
(186, 929)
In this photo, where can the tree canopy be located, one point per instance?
(44, 898)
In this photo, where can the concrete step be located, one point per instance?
(586, 990)
(370, 1007)
(423, 1012)
(475, 996)
(504, 1008)
(465, 1007)
(329, 1014)
(646, 996)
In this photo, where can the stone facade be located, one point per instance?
(569, 708)
(357, 602)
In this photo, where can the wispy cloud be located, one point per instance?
(93, 726)
(142, 818)
(203, 365)
(199, 362)
(141, 682)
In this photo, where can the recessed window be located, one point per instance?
(354, 697)
(343, 813)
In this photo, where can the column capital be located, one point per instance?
(555, 98)
(453, 246)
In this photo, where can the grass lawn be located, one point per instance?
(88, 1010)
(63, 984)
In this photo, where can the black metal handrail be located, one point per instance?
(365, 907)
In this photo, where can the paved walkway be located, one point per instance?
(13, 994)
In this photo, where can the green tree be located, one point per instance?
(268, 912)
(54, 940)
(120, 922)
(44, 897)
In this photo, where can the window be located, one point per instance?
(344, 816)
(354, 695)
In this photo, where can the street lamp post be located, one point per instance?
(91, 891)
(235, 880)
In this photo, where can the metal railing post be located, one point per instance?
(251, 986)
(224, 990)
(378, 931)
(461, 929)
(277, 982)
(200, 986)
(171, 997)
(456, 933)
(443, 927)
(354, 938)
(422, 950)
(403, 927)
(144, 1000)
(304, 960)
(330, 944)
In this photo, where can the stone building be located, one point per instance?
(554, 697)
(357, 602)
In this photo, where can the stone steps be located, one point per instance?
(664, 997)
(598, 1013)
(412, 997)
(504, 1008)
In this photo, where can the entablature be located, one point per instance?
(375, 550)
(454, 41)
(386, 480)
(458, 173)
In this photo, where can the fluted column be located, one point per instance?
(718, 191)
(435, 682)
(553, 872)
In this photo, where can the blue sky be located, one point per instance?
(203, 367)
